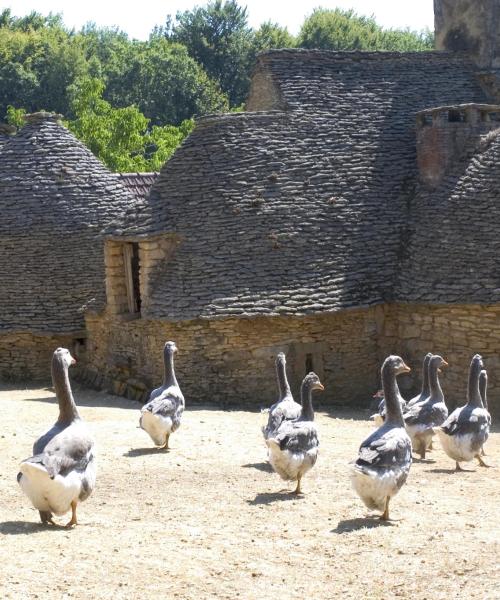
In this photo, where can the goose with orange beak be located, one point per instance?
(62, 472)
(293, 447)
(384, 458)
(423, 419)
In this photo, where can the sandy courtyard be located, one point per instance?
(207, 519)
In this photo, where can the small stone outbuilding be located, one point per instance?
(55, 200)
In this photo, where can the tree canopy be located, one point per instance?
(134, 101)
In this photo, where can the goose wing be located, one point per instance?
(385, 449)
(64, 453)
(466, 420)
(299, 436)
(426, 413)
(166, 404)
(283, 410)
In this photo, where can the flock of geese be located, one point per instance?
(62, 471)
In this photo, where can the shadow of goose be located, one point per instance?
(348, 525)
(27, 528)
(134, 452)
(270, 497)
(261, 466)
(451, 471)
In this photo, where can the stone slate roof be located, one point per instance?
(139, 184)
(55, 198)
(303, 209)
(453, 252)
(5, 132)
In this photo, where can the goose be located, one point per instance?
(483, 384)
(379, 417)
(62, 470)
(384, 458)
(285, 408)
(161, 415)
(465, 431)
(422, 418)
(425, 392)
(293, 447)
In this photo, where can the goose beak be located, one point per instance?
(73, 361)
(444, 364)
(320, 387)
(406, 369)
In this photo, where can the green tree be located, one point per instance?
(271, 35)
(166, 84)
(218, 37)
(119, 137)
(345, 30)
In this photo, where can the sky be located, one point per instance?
(139, 18)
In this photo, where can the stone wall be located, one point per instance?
(26, 356)
(230, 362)
(457, 333)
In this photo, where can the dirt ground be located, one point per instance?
(207, 519)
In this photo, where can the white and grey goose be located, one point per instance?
(161, 416)
(285, 409)
(62, 470)
(422, 419)
(483, 388)
(293, 447)
(466, 430)
(384, 458)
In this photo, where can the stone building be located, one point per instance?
(349, 213)
(55, 199)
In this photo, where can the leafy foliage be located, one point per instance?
(345, 30)
(120, 136)
(133, 102)
(218, 37)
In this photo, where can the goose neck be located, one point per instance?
(169, 372)
(483, 384)
(283, 386)
(425, 378)
(392, 406)
(306, 401)
(473, 395)
(435, 390)
(67, 407)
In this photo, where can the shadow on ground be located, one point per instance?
(270, 497)
(348, 525)
(27, 528)
(133, 452)
(260, 466)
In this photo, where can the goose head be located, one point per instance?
(312, 382)
(170, 348)
(437, 362)
(396, 364)
(63, 356)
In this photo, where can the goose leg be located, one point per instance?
(165, 445)
(298, 489)
(481, 461)
(483, 453)
(46, 517)
(459, 468)
(385, 515)
(73, 515)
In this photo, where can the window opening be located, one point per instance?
(132, 280)
(309, 363)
